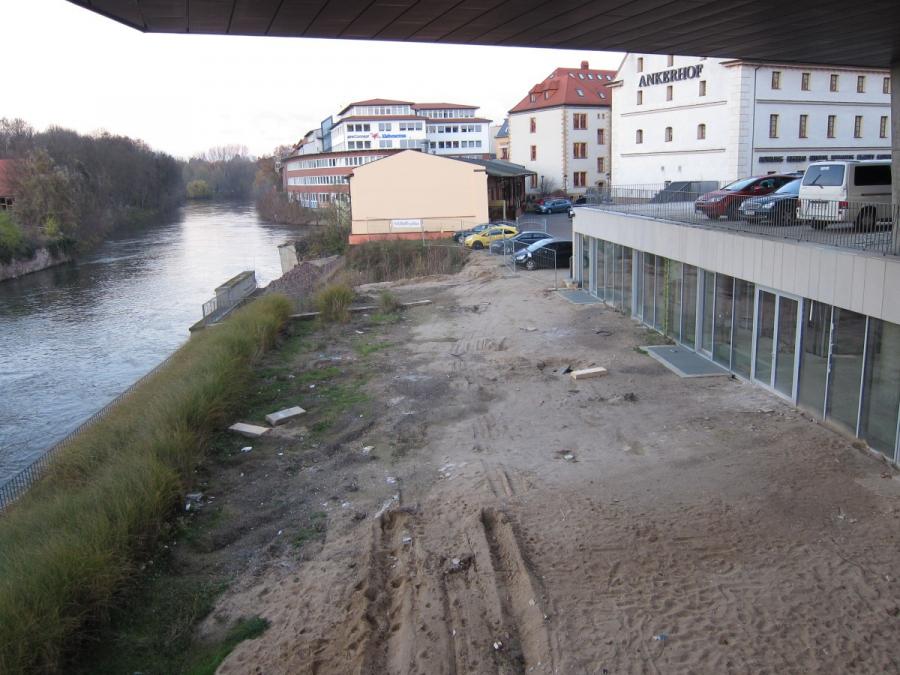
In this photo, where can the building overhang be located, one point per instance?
(811, 31)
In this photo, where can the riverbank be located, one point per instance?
(42, 259)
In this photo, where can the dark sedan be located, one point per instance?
(517, 243)
(545, 253)
(778, 208)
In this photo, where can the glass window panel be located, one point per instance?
(722, 325)
(742, 335)
(610, 271)
(881, 386)
(601, 269)
(785, 347)
(765, 336)
(847, 344)
(709, 296)
(585, 261)
(660, 295)
(673, 309)
(639, 285)
(814, 355)
(626, 279)
(649, 274)
(615, 273)
(689, 305)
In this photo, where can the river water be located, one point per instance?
(74, 337)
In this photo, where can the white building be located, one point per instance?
(561, 130)
(685, 118)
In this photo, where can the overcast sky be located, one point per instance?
(186, 93)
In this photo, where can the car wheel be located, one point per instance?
(865, 221)
(478, 246)
(530, 264)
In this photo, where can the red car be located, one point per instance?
(727, 200)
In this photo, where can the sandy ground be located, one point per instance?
(512, 520)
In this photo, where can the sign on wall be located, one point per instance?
(674, 75)
(406, 224)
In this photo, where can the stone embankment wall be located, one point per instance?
(42, 260)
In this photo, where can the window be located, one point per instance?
(580, 92)
(860, 84)
(601, 165)
(803, 121)
(532, 98)
(532, 181)
(669, 92)
(640, 64)
(883, 129)
(670, 61)
(579, 120)
(639, 136)
(579, 150)
(804, 81)
(580, 178)
(504, 153)
(833, 86)
(546, 95)
(701, 131)
(702, 87)
(384, 144)
(776, 79)
(773, 126)
(668, 134)
(886, 85)
(831, 122)
(640, 97)
(533, 153)
(532, 123)
(601, 136)
(384, 126)
(857, 126)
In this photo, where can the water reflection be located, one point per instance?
(73, 337)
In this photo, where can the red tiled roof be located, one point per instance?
(375, 101)
(6, 167)
(562, 87)
(443, 106)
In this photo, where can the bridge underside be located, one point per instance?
(813, 31)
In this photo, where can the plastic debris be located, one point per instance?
(390, 480)
(498, 645)
(367, 449)
(247, 448)
(406, 539)
(661, 637)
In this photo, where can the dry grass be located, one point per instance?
(377, 261)
(333, 302)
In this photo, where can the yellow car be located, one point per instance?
(485, 237)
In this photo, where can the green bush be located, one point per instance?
(333, 302)
(72, 542)
(13, 243)
(198, 189)
(388, 303)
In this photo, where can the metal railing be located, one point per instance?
(20, 482)
(866, 226)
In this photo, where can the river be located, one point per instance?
(73, 337)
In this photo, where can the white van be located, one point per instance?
(856, 192)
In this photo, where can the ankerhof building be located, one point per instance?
(686, 118)
(811, 316)
(316, 173)
(561, 131)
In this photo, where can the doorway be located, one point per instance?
(775, 342)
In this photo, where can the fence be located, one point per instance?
(20, 482)
(864, 226)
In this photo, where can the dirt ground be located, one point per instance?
(485, 513)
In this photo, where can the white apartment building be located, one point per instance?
(561, 130)
(686, 118)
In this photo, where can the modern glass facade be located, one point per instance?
(838, 365)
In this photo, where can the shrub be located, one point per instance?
(398, 259)
(333, 301)
(13, 243)
(388, 303)
(72, 542)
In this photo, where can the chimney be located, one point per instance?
(584, 65)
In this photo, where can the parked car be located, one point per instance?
(554, 206)
(778, 208)
(545, 253)
(846, 192)
(727, 200)
(517, 243)
(479, 240)
(462, 234)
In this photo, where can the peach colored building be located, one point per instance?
(413, 194)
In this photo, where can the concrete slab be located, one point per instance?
(586, 373)
(249, 430)
(684, 362)
(579, 297)
(285, 415)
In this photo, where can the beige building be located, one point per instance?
(413, 194)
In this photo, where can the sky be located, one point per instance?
(184, 94)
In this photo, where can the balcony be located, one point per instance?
(860, 226)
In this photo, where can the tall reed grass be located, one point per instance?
(77, 537)
(376, 261)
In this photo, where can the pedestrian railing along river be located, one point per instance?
(866, 226)
(22, 481)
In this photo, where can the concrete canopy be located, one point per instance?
(813, 31)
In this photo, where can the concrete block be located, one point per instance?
(285, 415)
(249, 430)
(588, 373)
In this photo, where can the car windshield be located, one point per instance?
(739, 185)
(792, 188)
(824, 174)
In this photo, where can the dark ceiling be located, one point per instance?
(865, 33)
